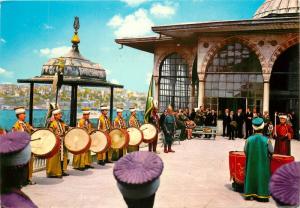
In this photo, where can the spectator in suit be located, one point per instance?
(214, 118)
(225, 122)
(240, 122)
(232, 126)
(208, 120)
(193, 114)
(248, 121)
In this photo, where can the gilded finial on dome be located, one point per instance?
(75, 39)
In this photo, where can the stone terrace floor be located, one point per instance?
(196, 176)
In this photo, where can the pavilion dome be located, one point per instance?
(277, 8)
(74, 65)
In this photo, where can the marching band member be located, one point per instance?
(120, 123)
(105, 126)
(258, 150)
(133, 122)
(283, 133)
(84, 160)
(154, 119)
(57, 165)
(23, 126)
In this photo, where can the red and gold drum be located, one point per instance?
(100, 141)
(119, 138)
(44, 143)
(279, 160)
(149, 132)
(237, 163)
(77, 141)
(135, 136)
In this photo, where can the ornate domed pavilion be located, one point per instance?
(75, 70)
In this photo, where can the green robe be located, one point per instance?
(257, 174)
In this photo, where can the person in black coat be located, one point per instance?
(213, 118)
(240, 121)
(208, 120)
(192, 115)
(248, 120)
(231, 126)
(225, 122)
(162, 118)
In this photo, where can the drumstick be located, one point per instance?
(35, 139)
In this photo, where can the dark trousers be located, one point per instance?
(152, 146)
(224, 129)
(249, 130)
(231, 131)
(240, 131)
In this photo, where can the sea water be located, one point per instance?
(8, 118)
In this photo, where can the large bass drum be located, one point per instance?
(279, 160)
(135, 136)
(149, 132)
(100, 141)
(119, 138)
(44, 143)
(77, 141)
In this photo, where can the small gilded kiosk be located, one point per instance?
(76, 71)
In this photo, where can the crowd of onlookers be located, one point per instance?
(235, 124)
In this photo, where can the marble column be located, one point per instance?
(266, 96)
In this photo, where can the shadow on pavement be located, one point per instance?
(103, 167)
(47, 181)
(73, 172)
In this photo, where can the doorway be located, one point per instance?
(232, 103)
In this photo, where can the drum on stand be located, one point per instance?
(77, 141)
(279, 160)
(237, 164)
(149, 132)
(135, 136)
(44, 143)
(119, 138)
(100, 141)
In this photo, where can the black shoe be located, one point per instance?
(262, 199)
(89, 166)
(101, 162)
(80, 169)
(65, 174)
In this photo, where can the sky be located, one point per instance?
(31, 32)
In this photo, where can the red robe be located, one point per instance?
(282, 140)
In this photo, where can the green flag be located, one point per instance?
(149, 102)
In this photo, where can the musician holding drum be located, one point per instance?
(105, 126)
(258, 150)
(120, 123)
(23, 126)
(133, 122)
(84, 160)
(57, 164)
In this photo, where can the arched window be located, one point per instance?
(235, 75)
(284, 82)
(174, 82)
